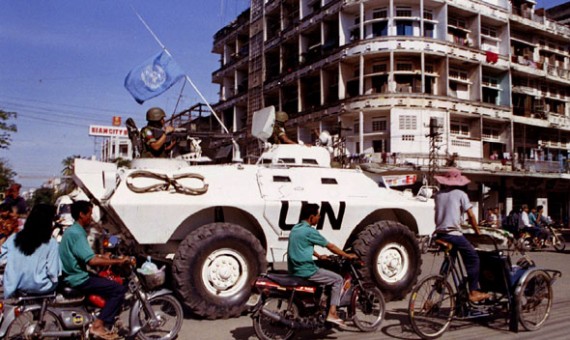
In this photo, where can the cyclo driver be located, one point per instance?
(300, 252)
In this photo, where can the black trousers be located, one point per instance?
(111, 291)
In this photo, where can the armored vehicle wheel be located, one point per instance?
(392, 257)
(214, 267)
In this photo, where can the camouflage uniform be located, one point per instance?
(150, 134)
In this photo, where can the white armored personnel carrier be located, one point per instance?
(221, 225)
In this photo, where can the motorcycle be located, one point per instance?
(286, 304)
(527, 241)
(66, 313)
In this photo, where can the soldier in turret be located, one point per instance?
(156, 143)
(279, 136)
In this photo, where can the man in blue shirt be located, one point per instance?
(76, 254)
(300, 252)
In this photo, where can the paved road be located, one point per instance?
(395, 325)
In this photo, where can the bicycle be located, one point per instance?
(522, 293)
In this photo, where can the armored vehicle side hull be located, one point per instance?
(221, 225)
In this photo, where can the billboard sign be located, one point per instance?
(107, 131)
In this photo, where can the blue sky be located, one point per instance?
(63, 63)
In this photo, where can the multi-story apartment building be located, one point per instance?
(494, 74)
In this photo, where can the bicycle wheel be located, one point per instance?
(431, 307)
(534, 300)
(368, 307)
(268, 329)
(26, 323)
(168, 313)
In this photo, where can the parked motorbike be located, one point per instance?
(527, 241)
(153, 313)
(286, 304)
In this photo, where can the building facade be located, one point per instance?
(493, 74)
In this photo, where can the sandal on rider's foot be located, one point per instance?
(103, 334)
(339, 322)
(476, 296)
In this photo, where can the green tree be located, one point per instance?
(6, 175)
(43, 195)
(68, 170)
(6, 128)
(121, 162)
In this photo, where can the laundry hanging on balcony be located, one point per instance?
(492, 57)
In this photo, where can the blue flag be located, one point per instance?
(153, 77)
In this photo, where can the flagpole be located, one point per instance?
(236, 147)
(185, 75)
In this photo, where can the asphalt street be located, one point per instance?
(396, 325)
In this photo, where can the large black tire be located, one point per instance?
(392, 258)
(214, 268)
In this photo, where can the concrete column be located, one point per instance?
(361, 131)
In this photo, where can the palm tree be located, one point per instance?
(68, 169)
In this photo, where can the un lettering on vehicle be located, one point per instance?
(331, 213)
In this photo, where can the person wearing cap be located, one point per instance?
(279, 136)
(450, 204)
(154, 135)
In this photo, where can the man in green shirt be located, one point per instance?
(76, 254)
(300, 252)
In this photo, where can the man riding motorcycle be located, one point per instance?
(76, 254)
(300, 252)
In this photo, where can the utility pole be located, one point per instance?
(434, 133)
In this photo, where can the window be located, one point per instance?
(328, 181)
(456, 74)
(457, 22)
(459, 128)
(356, 126)
(490, 81)
(379, 13)
(378, 145)
(281, 179)
(310, 161)
(378, 124)
(490, 96)
(405, 28)
(403, 11)
(491, 132)
(488, 31)
(408, 138)
(378, 68)
(404, 67)
(428, 14)
(429, 30)
(461, 143)
(429, 68)
(380, 29)
(408, 122)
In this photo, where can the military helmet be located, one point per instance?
(281, 116)
(155, 114)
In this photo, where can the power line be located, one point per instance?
(68, 105)
(29, 109)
